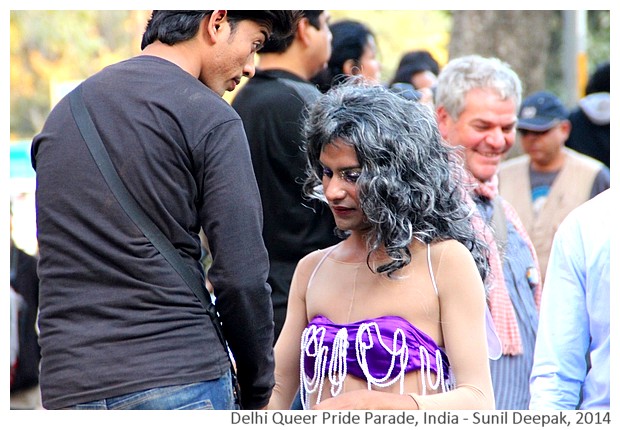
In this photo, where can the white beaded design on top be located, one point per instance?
(312, 346)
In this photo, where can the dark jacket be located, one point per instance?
(272, 106)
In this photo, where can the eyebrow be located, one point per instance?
(342, 169)
(483, 122)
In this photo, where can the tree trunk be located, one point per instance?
(522, 38)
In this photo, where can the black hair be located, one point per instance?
(173, 26)
(599, 81)
(349, 39)
(414, 62)
(279, 45)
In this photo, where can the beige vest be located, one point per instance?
(570, 188)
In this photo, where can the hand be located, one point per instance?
(367, 400)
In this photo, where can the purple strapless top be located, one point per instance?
(379, 348)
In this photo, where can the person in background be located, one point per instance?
(420, 70)
(590, 119)
(272, 107)
(26, 353)
(477, 100)
(119, 328)
(549, 180)
(392, 317)
(571, 362)
(354, 53)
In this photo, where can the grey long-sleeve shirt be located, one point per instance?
(114, 316)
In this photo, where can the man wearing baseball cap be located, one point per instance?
(549, 180)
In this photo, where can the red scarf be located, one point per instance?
(500, 305)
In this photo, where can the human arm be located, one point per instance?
(368, 400)
(563, 337)
(288, 346)
(231, 216)
(462, 309)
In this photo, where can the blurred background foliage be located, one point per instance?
(51, 48)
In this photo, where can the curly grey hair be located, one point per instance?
(412, 185)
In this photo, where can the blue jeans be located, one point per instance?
(297, 405)
(215, 394)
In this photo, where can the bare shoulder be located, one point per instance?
(313, 258)
(449, 250)
(455, 268)
(308, 263)
(452, 261)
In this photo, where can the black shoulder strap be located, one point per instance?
(136, 213)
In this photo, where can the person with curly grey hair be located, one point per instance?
(392, 317)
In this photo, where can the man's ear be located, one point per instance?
(302, 31)
(566, 127)
(214, 23)
(443, 121)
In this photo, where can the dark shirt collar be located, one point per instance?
(277, 73)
